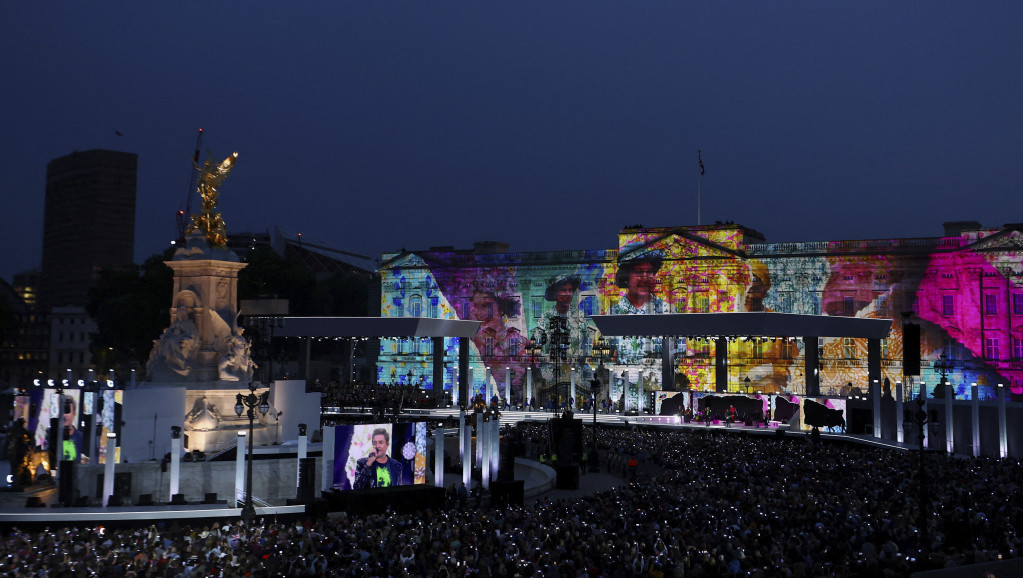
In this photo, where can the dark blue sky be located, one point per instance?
(549, 125)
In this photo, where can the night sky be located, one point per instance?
(378, 125)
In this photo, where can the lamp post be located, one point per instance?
(558, 349)
(943, 365)
(920, 418)
(602, 349)
(250, 402)
(535, 349)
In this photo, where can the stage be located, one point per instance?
(129, 515)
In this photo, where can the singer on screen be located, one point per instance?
(377, 470)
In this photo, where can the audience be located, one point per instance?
(708, 504)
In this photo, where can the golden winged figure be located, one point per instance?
(209, 221)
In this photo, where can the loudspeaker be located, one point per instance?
(511, 492)
(34, 502)
(82, 502)
(568, 477)
(115, 500)
(306, 475)
(145, 500)
(178, 500)
(67, 478)
(911, 349)
(211, 498)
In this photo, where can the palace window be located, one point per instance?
(848, 347)
(991, 348)
(948, 305)
(990, 304)
(1017, 303)
(488, 346)
(1017, 348)
(432, 309)
(415, 307)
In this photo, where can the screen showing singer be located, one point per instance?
(379, 455)
(377, 470)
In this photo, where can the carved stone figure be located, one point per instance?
(204, 416)
(236, 361)
(176, 348)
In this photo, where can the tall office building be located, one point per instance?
(89, 222)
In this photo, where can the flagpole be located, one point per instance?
(699, 187)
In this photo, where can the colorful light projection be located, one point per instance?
(970, 303)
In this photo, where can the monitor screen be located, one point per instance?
(379, 455)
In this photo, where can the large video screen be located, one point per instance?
(86, 417)
(379, 455)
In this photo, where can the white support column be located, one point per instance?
(470, 388)
(875, 399)
(900, 433)
(303, 452)
(454, 388)
(466, 443)
(461, 435)
(495, 447)
(1003, 439)
(507, 386)
(487, 392)
(950, 397)
(59, 448)
(480, 436)
(239, 469)
(975, 418)
(624, 395)
(108, 468)
(438, 457)
(640, 386)
(175, 466)
(571, 394)
(483, 442)
(327, 472)
(529, 386)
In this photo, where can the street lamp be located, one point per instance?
(943, 365)
(535, 349)
(251, 402)
(558, 350)
(920, 418)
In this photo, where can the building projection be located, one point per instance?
(965, 290)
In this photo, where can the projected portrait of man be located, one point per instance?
(378, 470)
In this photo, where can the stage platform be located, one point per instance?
(192, 513)
(774, 428)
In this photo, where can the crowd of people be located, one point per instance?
(361, 396)
(708, 504)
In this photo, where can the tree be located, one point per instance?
(130, 306)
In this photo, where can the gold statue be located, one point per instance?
(209, 222)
